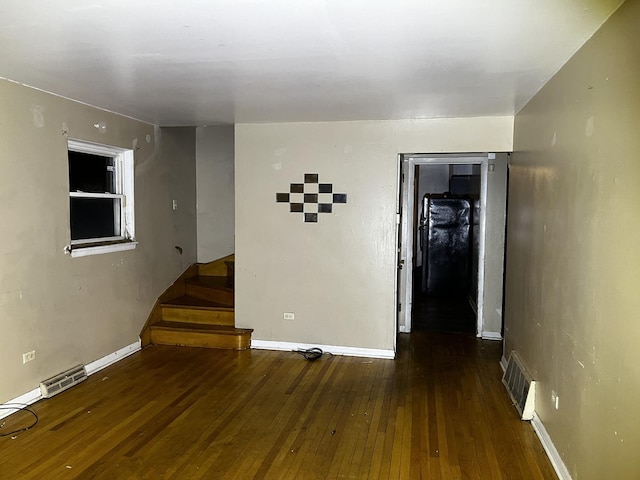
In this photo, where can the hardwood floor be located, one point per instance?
(437, 412)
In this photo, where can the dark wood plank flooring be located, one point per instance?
(437, 412)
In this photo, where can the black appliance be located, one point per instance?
(446, 230)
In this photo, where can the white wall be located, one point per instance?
(76, 310)
(336, 275)
(494, 247)
(215, 192)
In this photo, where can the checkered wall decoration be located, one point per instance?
(311, 198)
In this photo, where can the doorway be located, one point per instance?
(444, 267)
(446, 247)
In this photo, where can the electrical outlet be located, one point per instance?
(289, 316)
(555, 399)
(28, 357)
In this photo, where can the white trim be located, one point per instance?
(397, 278)
(128, 228)
(95, 195)
(25, 399)
(334, 349)
(414, 159)
(94, 148)
(91, 368)
(90, 241)
(405, 206)
(112, 358)
(503, 364)
(550, 448)
(482, 258)
(124, 217)
(115, 247)
(491, 336)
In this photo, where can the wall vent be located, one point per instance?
(520, 385)
(63, 381)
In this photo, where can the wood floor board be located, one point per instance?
(283, 411)
(437, 412)
(308, 405)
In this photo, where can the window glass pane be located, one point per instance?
(91, 173)
(95, 218)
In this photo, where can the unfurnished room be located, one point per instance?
(320, 239)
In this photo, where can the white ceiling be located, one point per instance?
(198, 62)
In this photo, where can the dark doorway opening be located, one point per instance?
(446, 240)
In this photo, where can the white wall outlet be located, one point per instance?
(289, 316)
(28, 357)
(555, 399)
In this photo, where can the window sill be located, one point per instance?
(84, 251)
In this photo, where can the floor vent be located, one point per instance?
(63, 381)
(520, 385)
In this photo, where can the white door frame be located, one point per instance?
(407, 165)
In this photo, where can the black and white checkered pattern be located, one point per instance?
(311, 198)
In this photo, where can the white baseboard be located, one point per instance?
(93, 367)
(550, 448)
(334, 349)
(25, 399)
(503, 364)
(112, 358)
(491, 336)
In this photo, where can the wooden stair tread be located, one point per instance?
(197, 310)
(200, 328)
(219, 283)
(187, 301)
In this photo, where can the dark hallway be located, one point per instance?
(441, 313)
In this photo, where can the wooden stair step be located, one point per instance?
(194, 302)
(210, 288)
(197, 310)
(200, 335)
(219, 267)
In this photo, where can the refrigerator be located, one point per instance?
(445, 226)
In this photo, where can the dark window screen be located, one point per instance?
(94, 217)
(91, 173)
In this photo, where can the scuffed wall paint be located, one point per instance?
(75, 310)
(572, 253)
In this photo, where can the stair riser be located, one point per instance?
(223, 297)
(219, 268)
(198, 339)
(195, 315)
(231, 266)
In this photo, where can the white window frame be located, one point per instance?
(124, 181)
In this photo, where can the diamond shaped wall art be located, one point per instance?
(311, 198)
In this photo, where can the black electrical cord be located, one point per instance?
(311, 354)
(18, 407)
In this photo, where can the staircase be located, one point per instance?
(197, 310)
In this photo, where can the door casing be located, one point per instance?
(407, 166)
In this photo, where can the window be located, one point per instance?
(100, 199)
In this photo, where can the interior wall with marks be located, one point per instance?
(337, 274)
(215, 191)
(75, 310)
(573, 251)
